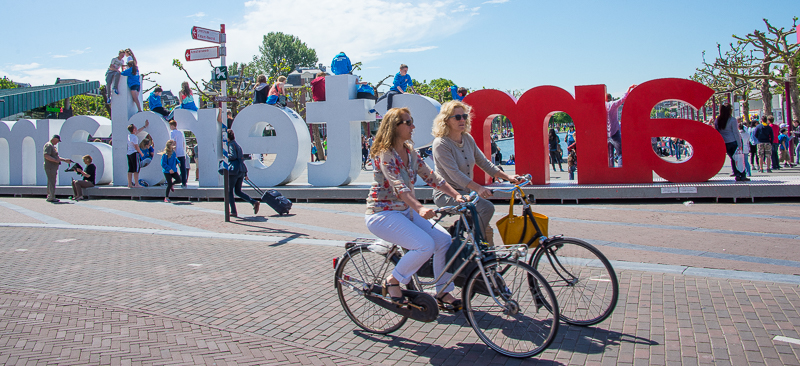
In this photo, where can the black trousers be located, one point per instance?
(184, 172)
(172, 178)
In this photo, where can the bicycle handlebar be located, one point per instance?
(526, 179)
(451, 210)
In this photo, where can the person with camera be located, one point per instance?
(51, 163)
(88, 180)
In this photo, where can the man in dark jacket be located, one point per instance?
(764, 135)
(238, 173)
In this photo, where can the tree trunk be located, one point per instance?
(746, 107)
(317, 141)
(766, 94)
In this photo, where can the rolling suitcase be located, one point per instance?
(273, 198)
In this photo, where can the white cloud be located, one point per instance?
(197, 15)
(411, 50)
(496, 1)
(365, 30)
(29, 66)
(73, 53)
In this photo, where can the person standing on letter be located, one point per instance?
(51, 163)
(180, 149)
(613, 127)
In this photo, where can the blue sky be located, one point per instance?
(500, 44)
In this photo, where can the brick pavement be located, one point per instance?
(278, 297)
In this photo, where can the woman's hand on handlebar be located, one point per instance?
(427, 213)
(461, 198)
(484, 192)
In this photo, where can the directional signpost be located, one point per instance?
(205, 53)
(208, 35)
(219, 73)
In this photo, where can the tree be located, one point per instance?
(775, 48)
(281, 53)
(6, 83)
(86, 105)
(438, 89)
(729, 73)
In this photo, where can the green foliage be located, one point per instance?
(280, 53)
(6, 83)
(438, 89)
(86, 105)
(560, 119)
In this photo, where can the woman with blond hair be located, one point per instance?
(395, 215)
(169, 166)
(455, 154)
(277, 90)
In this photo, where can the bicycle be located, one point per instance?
(585, 283)
(509, 305)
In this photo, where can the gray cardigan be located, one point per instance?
(455, 162)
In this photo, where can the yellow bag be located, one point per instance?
(519, 229)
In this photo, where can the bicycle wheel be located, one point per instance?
(528, 320)
(584, 282)
(358, 269)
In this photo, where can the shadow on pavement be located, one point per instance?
(592, 340)
(477, 353)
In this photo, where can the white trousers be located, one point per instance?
(422, 239)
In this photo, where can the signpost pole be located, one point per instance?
(224, 111)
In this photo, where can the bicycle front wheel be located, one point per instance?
(523, 320)
(584, 281)
(356, 273)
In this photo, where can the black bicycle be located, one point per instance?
(509, 305)
(583, 279)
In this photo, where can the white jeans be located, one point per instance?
(422, 239)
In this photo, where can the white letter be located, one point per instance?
(291, 143)
(74, 134)
(343, 114)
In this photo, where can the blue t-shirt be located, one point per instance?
(454, 93)
(341, 64)
(132, 79)
(783, 141)
(148, 153)
(365, 88)
(154, 100)
(401, 81)
(188, 103)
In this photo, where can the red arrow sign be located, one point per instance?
(205, 53)
(208, 35)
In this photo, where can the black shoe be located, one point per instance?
(255, 207)
(450, 307)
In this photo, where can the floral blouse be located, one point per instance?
(392, 177)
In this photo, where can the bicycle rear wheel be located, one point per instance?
(357, 271)
(528, 320)
(584, 281)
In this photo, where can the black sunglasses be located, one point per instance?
(408, 123)
(461, 116)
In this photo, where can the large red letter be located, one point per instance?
(637, 128)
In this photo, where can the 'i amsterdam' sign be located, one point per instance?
(21, 142)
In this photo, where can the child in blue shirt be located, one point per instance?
(132, 72)
(169, 166)
(154, 100)
(402, 82)
(341, 64)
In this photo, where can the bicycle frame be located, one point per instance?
(477, 256)
(515, 191)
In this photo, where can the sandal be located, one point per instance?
(399, 300)
(451, 307)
